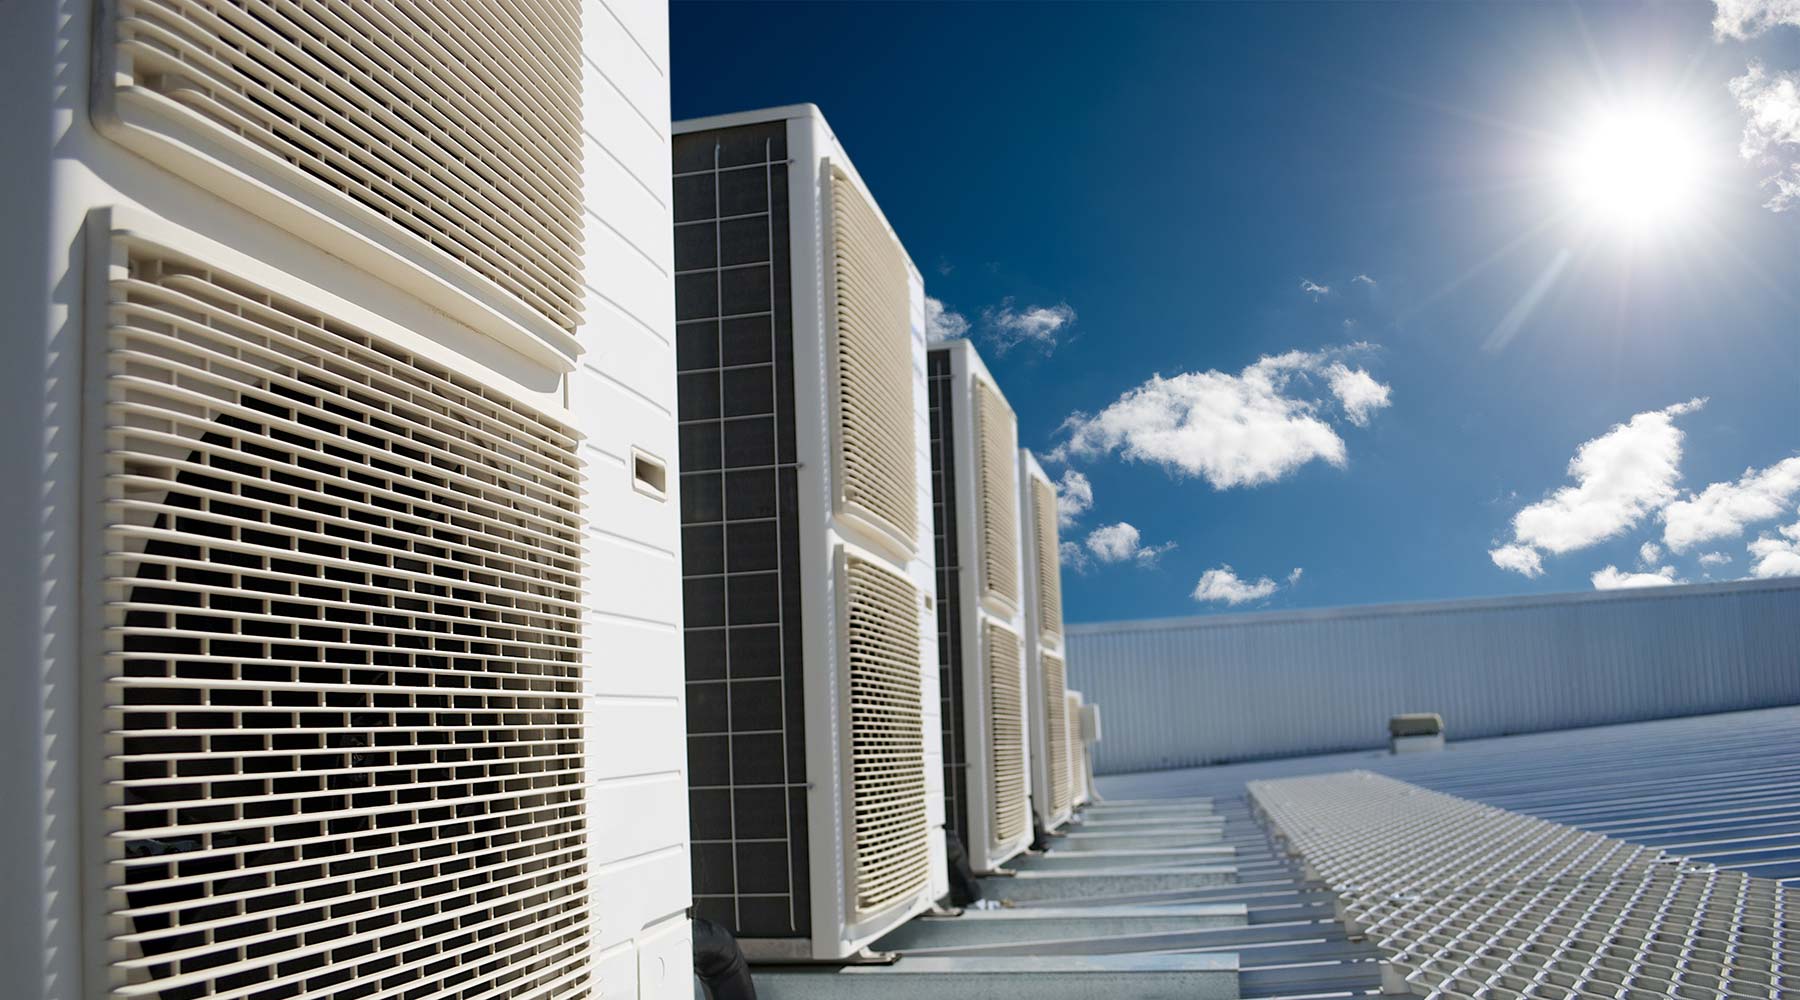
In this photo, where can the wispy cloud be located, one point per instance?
(1074, 497)
(1777, 554)
(1771, 106)
(1074, 557)
(1620, 477)
(1222, 586)
(1363, 279)
(1743, 19)
(1613, 578)
(1006, 326)
(1294, 575)
(1232, 430)
(942, 323)
(1710, 559)
(1118, 543)
(1724, 510)
(1314, 289)
(1649, 554)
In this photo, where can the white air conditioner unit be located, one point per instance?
(1090, 735)
(381, 586)
(974, 438)
(1079, 773)
(1052, 781)
(813, 732)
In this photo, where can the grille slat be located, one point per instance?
(343, 733)
(1006, 735)
(887, 734)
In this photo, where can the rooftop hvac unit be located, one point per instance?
(1079, 775)
(340, 737)
(814, 751)
(981, 665)
(1052, 782)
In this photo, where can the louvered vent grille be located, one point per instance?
(1056, 722)
(1006, 731)
(458, 122)
(874, 366)
(999, 498)
(887, 734)
(1049, 561)
(343, 730)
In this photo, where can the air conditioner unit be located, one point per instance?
(980, 616)
(813, 734)
(1090, 735)
(377, 413)
(1079, 773)
(1052, 782)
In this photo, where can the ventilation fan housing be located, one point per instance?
(1052, 780)
(813, 709)
(981, 664)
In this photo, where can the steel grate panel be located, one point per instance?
(458, 123)
(942, 395)
(1056, 724)
(1006, 735)
(890, 828)
(1469, 900)
(873, 364)
(998, 498)
(343, 736)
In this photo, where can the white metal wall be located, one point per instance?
(57, 168)
(1192, 691)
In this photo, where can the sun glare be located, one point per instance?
(1635, 169)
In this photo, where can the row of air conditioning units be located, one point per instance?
(872, 592)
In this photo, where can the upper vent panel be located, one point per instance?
(999, 498)
(1049, 560)
(342, 730)
(885, 681)
(448, 132)
(874, 368)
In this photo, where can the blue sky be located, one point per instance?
(1425, 301)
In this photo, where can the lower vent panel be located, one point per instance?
(1010, 811)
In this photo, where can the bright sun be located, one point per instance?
(1635, 169)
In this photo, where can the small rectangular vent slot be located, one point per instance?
(458, 122)
(1049, 561)
(1056, 721)
(649, 475)
(887, 734)
(1006, 733)
(999, 499)
(877, 462)
(343, 738)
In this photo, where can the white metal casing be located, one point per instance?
(1080, 774)
(829, 534)
(95, 180)
(1046, 667)
(983, 609)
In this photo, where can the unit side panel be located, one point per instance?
(741, 530)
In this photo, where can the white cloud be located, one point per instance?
(1363, 279)
(1612, 578)
(1232, 430)
(1116, 543)
(1007, 327)
(1771, 107)
(1357, 390)
(1714, 559)
(1522, 559)
(1314, 289)
(1724, 510)
(1223, 585)
(1074, 557)
(943, 324)
(1620, 477)
(1074, 496)
(1748, 18)
(1777, 554)
(1649, 554)
(1294, 576)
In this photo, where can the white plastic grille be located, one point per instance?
(1077, 749)
(874, 366)
(1006, 734)
(457, 121)
(1049, 560)
(887, 734)
(1056, 725)
(999, 497)
(1467, 900)
(342, 720)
